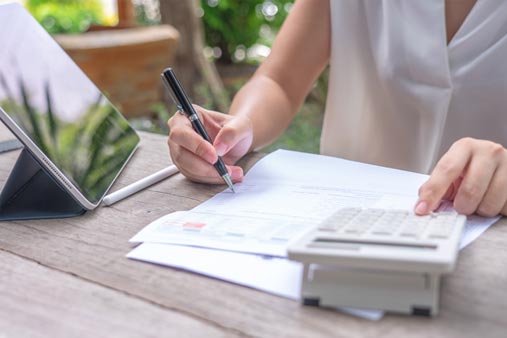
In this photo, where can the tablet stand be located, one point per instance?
(31, 193)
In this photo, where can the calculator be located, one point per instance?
(378, 258)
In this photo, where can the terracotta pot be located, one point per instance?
(125, 63)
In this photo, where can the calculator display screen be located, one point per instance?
(331, 241)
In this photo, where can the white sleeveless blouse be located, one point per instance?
(398, 95)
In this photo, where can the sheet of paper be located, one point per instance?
(310, 187)
(277, 276)
(282, 196)
(264, 235)
(474, 227)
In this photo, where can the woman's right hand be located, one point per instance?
(232, 138)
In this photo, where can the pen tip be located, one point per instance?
(227, 180)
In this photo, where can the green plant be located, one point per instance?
(231, 27)
(235, 26)
(66, 16)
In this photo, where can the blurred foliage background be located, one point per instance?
(238, 36)
(239, 27)
(67, 16)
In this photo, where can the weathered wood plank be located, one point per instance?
(40, 302)
(93, 247)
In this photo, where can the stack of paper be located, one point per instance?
(243, 237)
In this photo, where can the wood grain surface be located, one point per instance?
(70, 278)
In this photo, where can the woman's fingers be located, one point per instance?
(234, 139)
(475, 182)
(474, 174)
(213, 121)
(194, 156)
(495, 199)
(183, 135)
(198, 170)
(447, 171)
(186, 137)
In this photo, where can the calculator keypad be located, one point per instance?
(389, 223)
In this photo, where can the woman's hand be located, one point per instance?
(232, 137)
(472, 174)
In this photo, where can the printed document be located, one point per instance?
(284, 195)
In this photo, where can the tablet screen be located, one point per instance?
(53, 102)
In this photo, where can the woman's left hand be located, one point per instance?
(472, 174)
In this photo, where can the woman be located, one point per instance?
(415, 85)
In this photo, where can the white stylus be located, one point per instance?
(139, 185)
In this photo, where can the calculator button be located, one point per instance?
(410, 232)
(326, 229)
(331, 226)
(439, 235)
(351, 231)
(414, 226)
(443, 226)
(382, 232)
(444, 231)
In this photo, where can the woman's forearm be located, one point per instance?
(267, 106)
(278, 88)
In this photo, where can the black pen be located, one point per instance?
(172, 85)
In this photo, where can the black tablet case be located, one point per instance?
(31, 193)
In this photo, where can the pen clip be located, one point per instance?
(169, 92)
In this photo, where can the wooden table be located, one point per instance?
(70, 278)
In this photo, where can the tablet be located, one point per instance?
(59, 115)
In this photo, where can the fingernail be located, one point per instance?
(421, 208)
(237, 174)
(221, 148)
